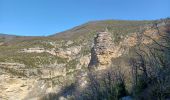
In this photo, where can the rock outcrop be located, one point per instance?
(68, 52)
(38, 50)
(102, 50)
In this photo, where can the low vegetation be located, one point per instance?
(148, 79)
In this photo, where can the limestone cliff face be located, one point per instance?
(102, 50)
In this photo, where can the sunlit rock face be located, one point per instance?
(102, 51)
(103, 47)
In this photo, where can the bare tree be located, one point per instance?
(153, 63)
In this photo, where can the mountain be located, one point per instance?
(96, 26)
(58, 66)
(6, 37)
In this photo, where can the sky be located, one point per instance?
(46, 17)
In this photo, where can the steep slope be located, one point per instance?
(54, 62)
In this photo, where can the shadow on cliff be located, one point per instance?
(93, 60)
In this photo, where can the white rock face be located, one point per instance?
(68, 52)
(84, 60)
(36, 50)
(1, 43)
(14, 88)
(12, 65)
(69, 43)
(39, 50)
(32, 88)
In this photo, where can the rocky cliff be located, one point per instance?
(31, 67)
(102, 50)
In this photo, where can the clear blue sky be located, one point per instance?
(45, 17)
